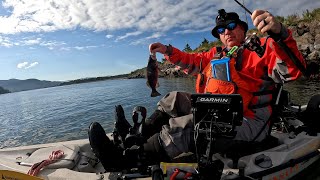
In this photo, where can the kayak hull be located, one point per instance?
(84, 165)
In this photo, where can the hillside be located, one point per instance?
(93, 79)
(15, 85)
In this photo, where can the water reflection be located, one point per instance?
(301, 91)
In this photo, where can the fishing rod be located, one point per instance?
(283, 46)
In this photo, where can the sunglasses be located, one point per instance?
(230, 26)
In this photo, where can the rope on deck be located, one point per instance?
(54, 157)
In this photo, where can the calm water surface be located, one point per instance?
(64, 113)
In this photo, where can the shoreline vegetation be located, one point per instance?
(305, 30)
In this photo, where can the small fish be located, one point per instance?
(152, 75)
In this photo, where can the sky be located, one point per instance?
(61, 40)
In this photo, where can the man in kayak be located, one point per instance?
(253, 74)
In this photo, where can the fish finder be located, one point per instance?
(221, 112)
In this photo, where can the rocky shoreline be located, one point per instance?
(307, 36)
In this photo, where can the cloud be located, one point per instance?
(128, 35)
(22, 65)
(52, 44)
(32, 65)
(5, 41)
(84, 47)
(144, 40)
(190, 31)
(109, 36)
(80, 48)
(32, 41)
(26, 65)
(138, 16)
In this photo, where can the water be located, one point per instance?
(302, 91)
(64, 113)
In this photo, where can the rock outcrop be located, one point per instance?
(307, 36)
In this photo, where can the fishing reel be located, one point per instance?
(253, 43)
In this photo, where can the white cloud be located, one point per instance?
(5, 41)
(26, 65)
(143, 40)
(32, 65)
(128, 35)
(52, 44)
(80, 48)
(84, 47)
(32, 41)
(189, 31)
(138, 16)
(22, 65)
(109, 36)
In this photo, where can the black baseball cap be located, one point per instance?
(224, 19)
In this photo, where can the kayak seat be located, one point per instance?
(69, 160)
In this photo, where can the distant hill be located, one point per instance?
(15, 85)
(93, 79)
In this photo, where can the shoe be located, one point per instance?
(122, 126)
(109, 155)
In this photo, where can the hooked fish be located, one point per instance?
(152, 75)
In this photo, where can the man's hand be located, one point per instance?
(265, 21)
(157, 47)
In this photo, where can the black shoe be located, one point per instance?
(110, 156)
(122, 126)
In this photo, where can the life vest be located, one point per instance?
(207, 83)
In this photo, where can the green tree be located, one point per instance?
(205, 42)
(187, 48)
